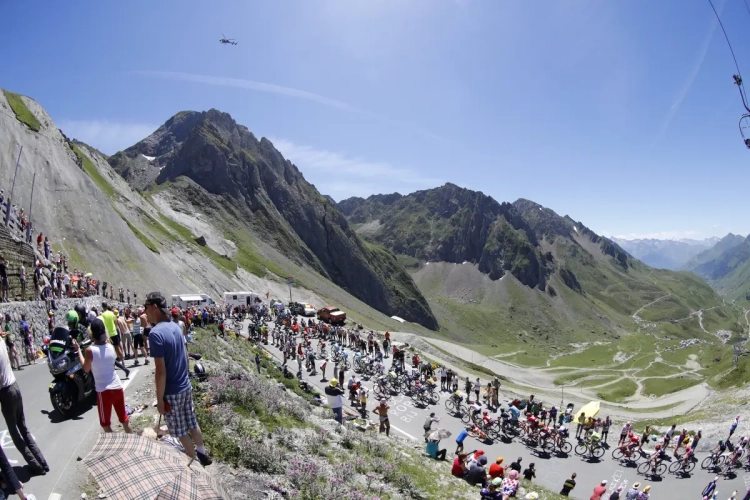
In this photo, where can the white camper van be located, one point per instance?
(189, 300)
(234, 299)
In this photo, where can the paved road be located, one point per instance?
(61, 442)
(551, 471)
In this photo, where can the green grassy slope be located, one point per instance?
(22, 112)
(588, 293)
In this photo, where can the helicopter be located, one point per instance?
(225, 40)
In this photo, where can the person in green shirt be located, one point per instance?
(579, 428)
(109, 320)
(10, 341)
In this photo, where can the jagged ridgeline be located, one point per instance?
(496, 272)
(252, 191)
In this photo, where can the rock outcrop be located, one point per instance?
(70, 208)
(271, 199)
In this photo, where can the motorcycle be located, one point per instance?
(71, 385)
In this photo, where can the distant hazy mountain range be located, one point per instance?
(666, 254)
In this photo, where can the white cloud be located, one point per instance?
(108, 137)
(342, 176)
(247, 84)
(697, 65)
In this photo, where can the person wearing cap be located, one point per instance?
(616, 494)
(110, 323)
(99, 360)
(510, 484)
(599, 490)
(644, 495)
(176, 318)
(335, 401)
(497, 469)
(568, 485)
(174, 394)
(477, 474)
(382, 411)
(494, 491)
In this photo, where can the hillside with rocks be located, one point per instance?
(726, 267)
(178, 237)
(250, 193)
(69, 207)
(546, 278)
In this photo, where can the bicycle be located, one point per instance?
(714, 461)
(453, 403)
(562, 444)
(656, 469)
(589, 449)
(627, 453)
(682, 466)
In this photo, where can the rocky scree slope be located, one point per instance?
(268, 198)
(520, 265)
(69, 207)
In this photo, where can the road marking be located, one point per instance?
(404, 432)
(133, 373)
(54, 496)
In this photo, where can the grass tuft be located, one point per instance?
(22, 112)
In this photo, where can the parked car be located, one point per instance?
(309, 310)
(332, 315)
(297, 308)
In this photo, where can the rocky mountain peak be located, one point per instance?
(272, 198)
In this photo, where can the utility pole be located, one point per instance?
(31, 201)
(562, 396)
(13, 187)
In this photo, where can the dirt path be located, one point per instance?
(637, 318)
(541, 382)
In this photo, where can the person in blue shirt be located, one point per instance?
(174, 394)
(433, 449)
(460, 439)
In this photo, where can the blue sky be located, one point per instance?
(621, 114)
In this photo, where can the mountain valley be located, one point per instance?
(215, 209)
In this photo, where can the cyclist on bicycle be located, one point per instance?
(738, 451)
(595, 438)
(488, 421)
(658, 456)
(721, 447)
(562, 431)
(533, 424)
(688, 455)
(633, 442)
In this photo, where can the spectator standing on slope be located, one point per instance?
(599, 490)
(174, 394)
(568, 485)
(335, 400)
(733, 427)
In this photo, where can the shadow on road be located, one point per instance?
(55, 417)
(22, 473)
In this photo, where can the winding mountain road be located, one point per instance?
(407, 420)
